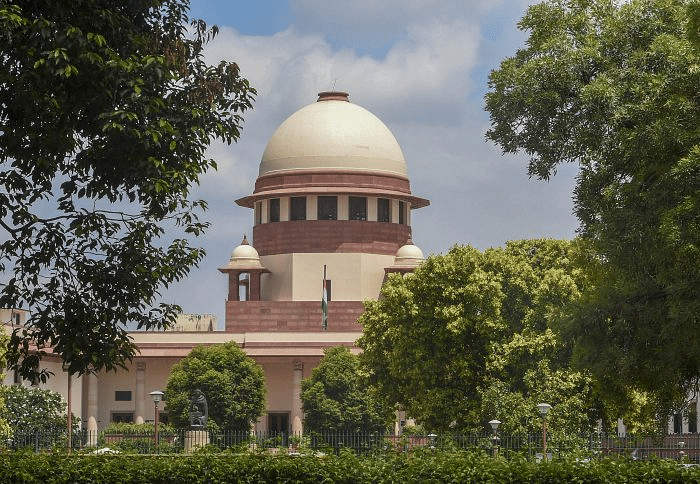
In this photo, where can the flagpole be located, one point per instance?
(324, 302)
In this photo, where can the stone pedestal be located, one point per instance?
(195, 439)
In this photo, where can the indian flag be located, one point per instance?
(324, 301)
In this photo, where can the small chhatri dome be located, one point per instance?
(409, 255)
(244, 256)
(333, 134)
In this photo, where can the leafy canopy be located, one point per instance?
(232, 383)
(338, 398)
(30, 410)
(472, 336)
(4, 425)
(612, 86)
(106, 111)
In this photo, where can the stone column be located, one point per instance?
(297, 415)
(140, 394)
(92, 409)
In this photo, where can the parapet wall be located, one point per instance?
(261, 316)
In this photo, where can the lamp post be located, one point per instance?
(544, 409)
(432, 437)
(494, 440)
(157, 396)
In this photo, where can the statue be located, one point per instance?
(199, 411)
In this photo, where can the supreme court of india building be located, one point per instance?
(332, 191)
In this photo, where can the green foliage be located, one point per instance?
(34, 409)
(134, 428)
(33, 413)
(338, 398)
(459, 467)
(4, 425)
(232, 383)
(612, 86)
(471, 336)
(111, 108)
(135, 438)
(426, 339)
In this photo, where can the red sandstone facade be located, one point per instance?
(330, 236)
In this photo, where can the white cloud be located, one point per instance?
(425, 73)
(422, 89)
(371, 26)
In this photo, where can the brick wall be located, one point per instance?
(253, 316)
(329, 236)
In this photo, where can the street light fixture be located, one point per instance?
(544, 409)
(157, 397)
(494, 440)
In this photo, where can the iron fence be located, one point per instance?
(684, 447)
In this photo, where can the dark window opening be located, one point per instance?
(274, 210)
(278, 423)
(243, 286)
(122, 396)
(327, 208)
(402, 213)
(693, 418)
(383, 210)
(123, 417)
(677, 423)
(297, 208)
(163, 417)
(358, 208)
(258, 213)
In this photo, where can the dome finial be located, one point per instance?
(333, 96)
(245, 240)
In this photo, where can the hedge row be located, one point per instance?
(346, 468)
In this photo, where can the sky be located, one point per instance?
(421, 66)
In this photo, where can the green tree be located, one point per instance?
(35, 413)
(338, 398)
(232, 383)
(529, 364)
(5, 429)
(107, 109)
(612, 86)
(471, 336)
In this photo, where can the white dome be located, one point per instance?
(408, 255)
(244, 256)
(333, 134)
